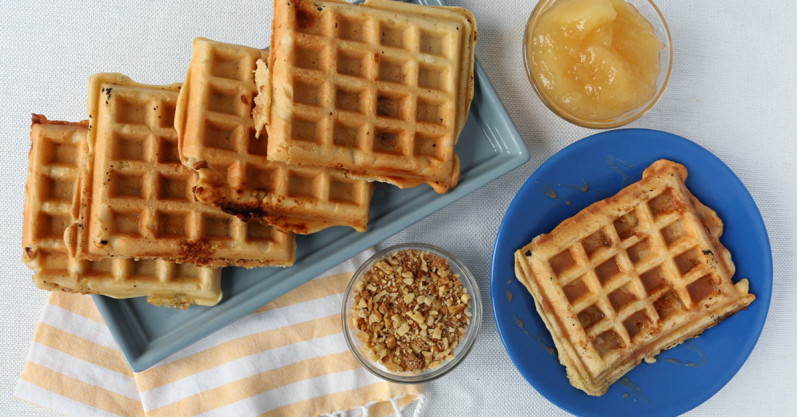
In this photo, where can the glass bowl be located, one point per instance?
(652, 14)
(362, 352)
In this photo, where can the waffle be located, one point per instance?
(141, 203)
(630, 276)
(56, 177)
(216, 138)
(380, 90)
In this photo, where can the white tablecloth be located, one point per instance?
(733, 90)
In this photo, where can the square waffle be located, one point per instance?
(380, 90)
(217, 139)
(57, 172)
(141, 203)
(630, 276)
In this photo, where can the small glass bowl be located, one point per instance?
(650, 12)
(362, 353)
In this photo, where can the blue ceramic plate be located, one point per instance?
(590, 170)
(489, 146)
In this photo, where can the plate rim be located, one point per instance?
(528, 185)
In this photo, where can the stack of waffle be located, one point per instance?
(164, 185)
(59, 183)
(630, 276)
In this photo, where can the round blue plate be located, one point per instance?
(595, 168)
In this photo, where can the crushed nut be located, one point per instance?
(403, 329)
(408, 309)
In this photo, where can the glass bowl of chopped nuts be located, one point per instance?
(411, 313)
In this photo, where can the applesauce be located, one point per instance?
(594, 60)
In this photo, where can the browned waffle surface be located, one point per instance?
(630, 276)
(141, 203)
(58, 168)
(217, 139)
(380, 90)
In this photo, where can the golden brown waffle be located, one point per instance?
(57, 172)
(381, 90)
(216, 135)
(630, 276)
(141, 203)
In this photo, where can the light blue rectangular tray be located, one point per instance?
(488, 147)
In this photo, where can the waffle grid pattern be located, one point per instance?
(370, 93)
(629, 276)
(55, 176)
(235, 175)
(660, 270)
(143, 200)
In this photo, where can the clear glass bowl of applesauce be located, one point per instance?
(598, 63)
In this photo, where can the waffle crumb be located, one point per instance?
(411, 311)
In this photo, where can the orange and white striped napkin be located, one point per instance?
(288, 358)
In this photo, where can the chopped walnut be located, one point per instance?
(411, 311)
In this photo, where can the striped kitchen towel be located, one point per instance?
(288, 358)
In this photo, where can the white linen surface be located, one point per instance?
(733, 90)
